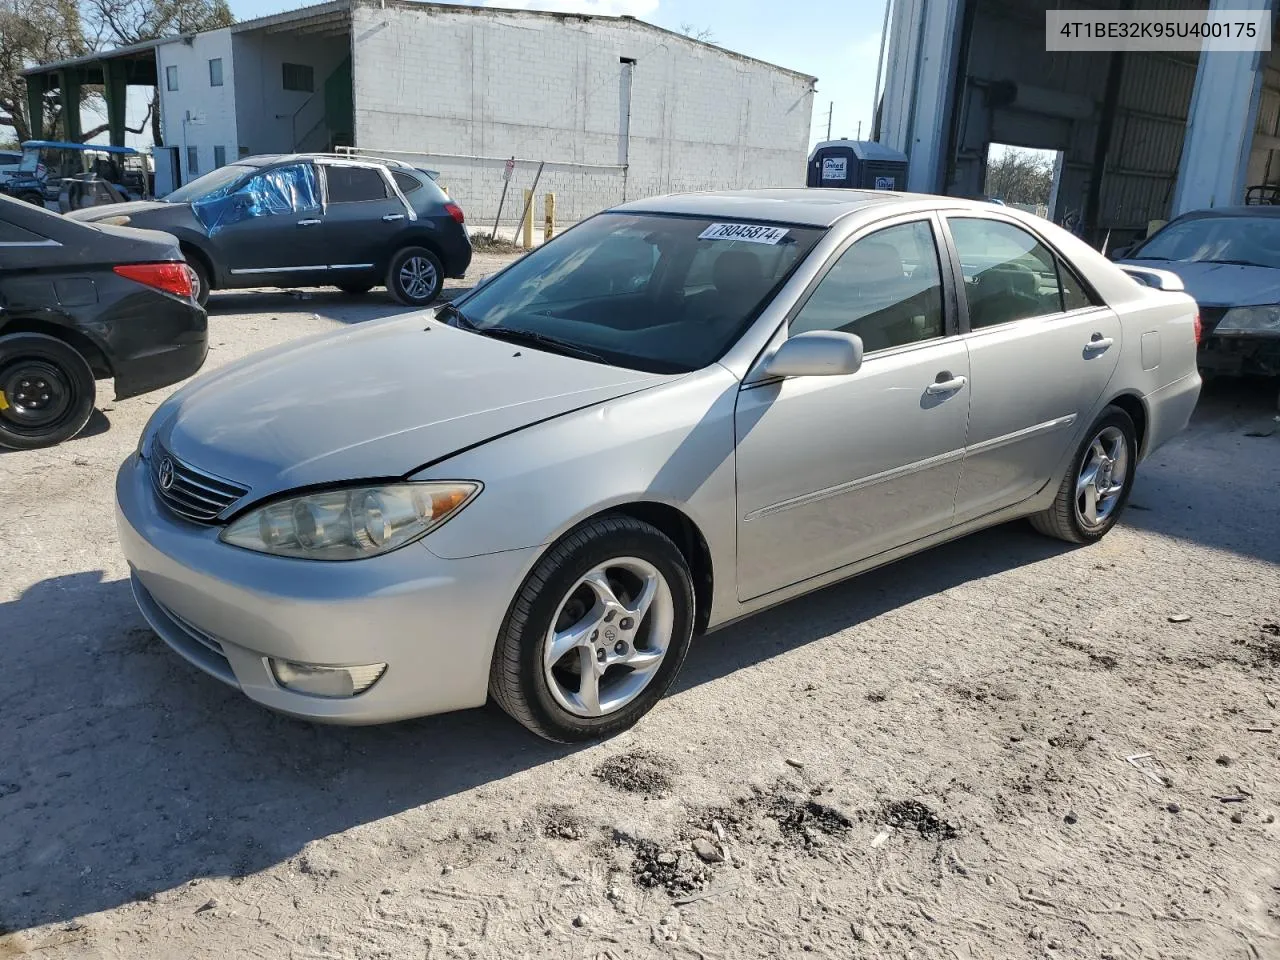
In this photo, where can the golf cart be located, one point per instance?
(69, 176)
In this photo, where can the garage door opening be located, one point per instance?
(1022, 177)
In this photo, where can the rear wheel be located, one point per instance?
(200, 281)
(597, 633)
(1096, 488)
(415, 277)
(46, 391)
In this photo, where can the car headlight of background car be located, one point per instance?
(1251, 320)
(351, 523)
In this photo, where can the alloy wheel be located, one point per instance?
(418, 277)
(609, 636)
(1101, 481)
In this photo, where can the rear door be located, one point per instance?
(1042, 348)
(363, 215)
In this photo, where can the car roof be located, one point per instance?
(270, 159)
(802, 206)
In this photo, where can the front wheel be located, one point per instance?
(597, 633)
(1096, 488)
(46, 391)
(415, 276)
(200, 284)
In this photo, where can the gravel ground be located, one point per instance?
(1001, 748)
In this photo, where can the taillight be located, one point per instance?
(455, 211)
(172, 278)
(1199, 328)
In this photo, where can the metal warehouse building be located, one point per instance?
(1143, 135)
(614, 107)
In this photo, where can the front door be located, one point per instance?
(270, 229)
(1041, 350)
(835, 469)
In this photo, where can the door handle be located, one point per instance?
(1097, 343)
(945, 384)
(393, 216)
(307, 223)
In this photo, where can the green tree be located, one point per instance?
(1020, 176)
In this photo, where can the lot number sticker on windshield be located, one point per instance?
(750, 232)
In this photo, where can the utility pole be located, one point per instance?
(830, 110)
(859, 129)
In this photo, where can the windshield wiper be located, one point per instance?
(535, 339)
(1238, 263)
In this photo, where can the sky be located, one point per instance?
(837, 41)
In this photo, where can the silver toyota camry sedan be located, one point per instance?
(677, 413)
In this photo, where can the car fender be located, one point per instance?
(670, 444)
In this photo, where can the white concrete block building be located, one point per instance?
(612, 108)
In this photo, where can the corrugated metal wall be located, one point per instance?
(1264, 161)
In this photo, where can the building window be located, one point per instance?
(193, 161)
(171, 78)
(219, 156)
(215, 72)
(299, 76)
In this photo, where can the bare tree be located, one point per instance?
(702, 34)
(42, 31)
(1020, 176)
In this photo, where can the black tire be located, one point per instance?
(32, 197)
(403, 265)
(1064, 519)
(354, 289)
(517, 680)
(46, 391)
(201, 283)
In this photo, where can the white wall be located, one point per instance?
(498, 83)
(216, 105)
(264, 108)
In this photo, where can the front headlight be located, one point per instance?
(1250, 320)
(349, 524)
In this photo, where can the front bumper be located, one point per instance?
(434, 622)
(1240, 354)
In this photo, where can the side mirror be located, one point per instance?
(1151, 277)
(818, 353)
(1119, 253)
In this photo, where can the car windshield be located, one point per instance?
(661, 293)
(211, 184)
(1246, 240)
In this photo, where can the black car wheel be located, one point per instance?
(46, 391)
(200, 285)
(415, 277)
(354, 289)
(32, 196)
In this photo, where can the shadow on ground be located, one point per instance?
(128, 772)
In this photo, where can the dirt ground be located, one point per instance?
(1003, 748)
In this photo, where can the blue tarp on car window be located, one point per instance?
(282, 190)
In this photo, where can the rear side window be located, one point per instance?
(1008, 274)
(406, 182)
(1074, 295)
(12, 233)
(355, 184)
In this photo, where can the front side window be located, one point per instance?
(651, 292)
(1253, 241)
(274, 192)
(1008, 274)
(171, 78)
(886, 288)
(215, 72)
(354, 184)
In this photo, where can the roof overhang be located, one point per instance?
(138, 61)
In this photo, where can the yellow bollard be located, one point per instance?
(528, 220)
(549, 224)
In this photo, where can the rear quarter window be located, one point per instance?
(12, 233)
(407, 182)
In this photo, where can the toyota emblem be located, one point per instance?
(166, 473)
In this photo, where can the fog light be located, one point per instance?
(320, 681)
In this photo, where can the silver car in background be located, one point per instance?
(675, 414)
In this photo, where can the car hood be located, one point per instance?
(1222, 284)
(132, 209)
(374, 402)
